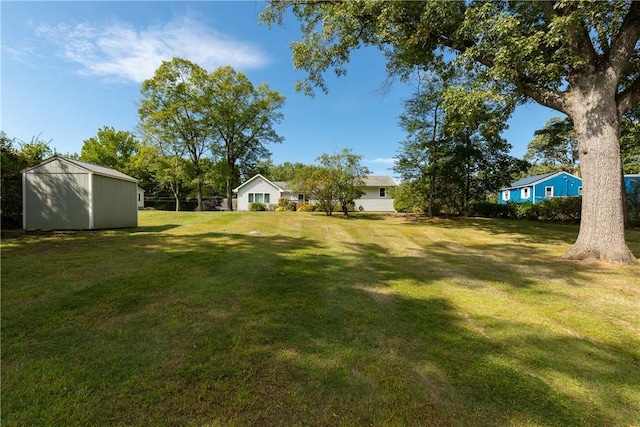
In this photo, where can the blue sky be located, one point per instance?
(70, 68)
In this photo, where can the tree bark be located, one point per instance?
(595, 115)
(229, 193)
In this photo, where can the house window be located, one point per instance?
(524, 193)
(383, 192)
(505, 195)
(548, 192)
(580, 191)
(259, 198)
(301, 197)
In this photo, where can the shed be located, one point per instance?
(67, 194)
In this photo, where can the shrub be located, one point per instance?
(280, 209)
(292, 206)
(492, 210)
(306, 208)
(283, 202)
(254, 207)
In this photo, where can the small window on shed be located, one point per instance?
(524, 193)
(548, 192)
(383, 192)
(505, 195)
(580, 191)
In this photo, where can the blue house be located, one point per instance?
(535, 189)
(631, 182)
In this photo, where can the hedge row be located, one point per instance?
(565, 209)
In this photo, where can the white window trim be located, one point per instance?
(506, 195)
(546, 191)
(251, 198)
(525, 193)
(580, 190)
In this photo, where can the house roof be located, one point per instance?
(89, 167)
(370, 181)
(532, 180)
(257, 176)
(379, 181)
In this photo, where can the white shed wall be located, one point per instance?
(56, 201)
(114, 203)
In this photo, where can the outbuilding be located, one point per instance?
(67, 194)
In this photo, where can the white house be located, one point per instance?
(67, 194)
(140, 198)
(259, 189)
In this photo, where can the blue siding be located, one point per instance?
(564, 185)
(631, 182)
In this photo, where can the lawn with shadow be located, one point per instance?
(285, 318)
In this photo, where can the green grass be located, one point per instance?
(378, 320)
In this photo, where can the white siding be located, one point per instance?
(372, 202)
(56, 201)
(114, 203)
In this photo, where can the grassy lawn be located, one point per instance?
(191, 319)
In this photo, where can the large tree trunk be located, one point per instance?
(229, 192)
(597, 123)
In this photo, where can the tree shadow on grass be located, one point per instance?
(279, 330)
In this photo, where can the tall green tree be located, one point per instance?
(241, 117)
(580, 58)
(345, 175)
(554, 147)
(173, 111)
(421, 154)
(112, 149)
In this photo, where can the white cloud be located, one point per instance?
(122, 52)
(384, 161)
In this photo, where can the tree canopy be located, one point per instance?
(577, 57)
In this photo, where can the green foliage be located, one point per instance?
(241, 119)
(559, 209)
(554, 147)
(15, 157)
(112, 149)
(408, 197)
(630, 141)
(172, 115)
(256, 207)
(305, 207)
(492, 210)
(345, 176)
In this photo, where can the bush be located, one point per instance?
(255, 207)
(306, 208)
(560, 209)
(283, 203)
(492, 210)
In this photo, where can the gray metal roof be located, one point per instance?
(379, 181)
(89, 167)
(531, 179)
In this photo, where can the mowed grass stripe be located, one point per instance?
(192, 319)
